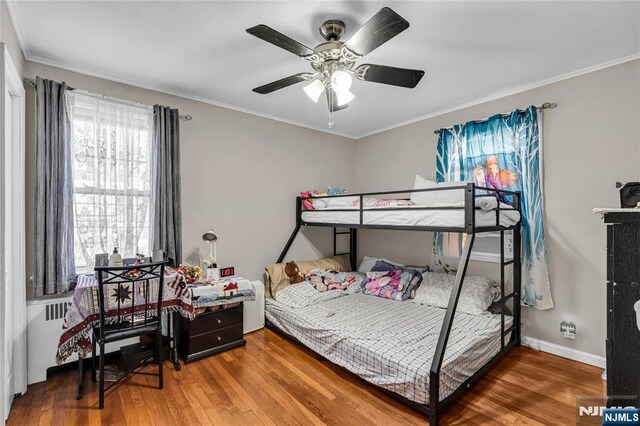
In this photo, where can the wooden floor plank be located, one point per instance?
(273, 381)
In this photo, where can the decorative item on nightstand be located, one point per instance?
(229, 271)
(211, 263)
(190, 273)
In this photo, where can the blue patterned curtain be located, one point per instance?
(504, 151)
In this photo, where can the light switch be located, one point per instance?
(637, 308)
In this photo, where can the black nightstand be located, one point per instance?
(210, 333)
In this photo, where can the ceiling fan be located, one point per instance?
(333, 60)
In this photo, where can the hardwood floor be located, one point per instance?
(272, 381)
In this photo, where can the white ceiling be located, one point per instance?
(471, 51)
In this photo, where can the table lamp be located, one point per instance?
(211, 238)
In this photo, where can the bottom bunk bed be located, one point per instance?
(390, 343)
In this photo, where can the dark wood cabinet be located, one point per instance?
(210, 333)
(623, 296)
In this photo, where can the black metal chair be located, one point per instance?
(122, 318)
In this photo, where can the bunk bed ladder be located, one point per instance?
(353, 244)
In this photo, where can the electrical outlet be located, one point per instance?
(568, 330)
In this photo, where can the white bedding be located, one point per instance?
(434, 218)
(390, 343)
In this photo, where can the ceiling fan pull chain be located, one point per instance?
(331, 122)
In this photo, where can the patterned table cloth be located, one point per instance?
(84, 312)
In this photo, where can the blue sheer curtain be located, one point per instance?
(504, 151)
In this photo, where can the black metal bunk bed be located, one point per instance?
(471, 193)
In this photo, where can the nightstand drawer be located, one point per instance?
(214, 339)
(217, 320)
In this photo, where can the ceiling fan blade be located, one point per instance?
(274, 37)
(283, 82)
(382, 27)
(332, 101)
(389, 75)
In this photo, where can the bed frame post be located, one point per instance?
(353, 248)
(470, 208)
(438, 356)
(295, 230)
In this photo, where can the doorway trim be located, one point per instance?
(11, 82)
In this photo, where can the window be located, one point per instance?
(486, 247)
(111, 151)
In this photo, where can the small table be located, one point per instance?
(211, 332)
(218, 325)
(84, 313)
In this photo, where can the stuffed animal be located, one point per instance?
(336, 191)
(293, 272)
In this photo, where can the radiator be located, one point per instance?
(44, 325)
(254, 310)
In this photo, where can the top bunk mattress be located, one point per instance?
(409, 217)
(390, 343)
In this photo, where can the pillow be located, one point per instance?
(416, 274)
(338, 202)
(324, 280)
(394, 285)
(453, 197)
(477, 293)
(368, 263)
(276, 278)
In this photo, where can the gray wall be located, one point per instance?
(591, 140)
(240, 174)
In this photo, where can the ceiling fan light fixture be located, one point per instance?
(341, 81)
(314, 90)
(344, 97)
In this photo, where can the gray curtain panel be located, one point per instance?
(54, 269)
(167, 211)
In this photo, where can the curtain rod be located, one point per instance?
(546, 105)
(31, 82)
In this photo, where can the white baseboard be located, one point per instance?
(563, 351)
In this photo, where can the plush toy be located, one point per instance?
(336, 191)
(308, 203)
(293, 272)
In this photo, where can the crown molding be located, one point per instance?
(493, 97)
(155, 88)
(509, 92)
